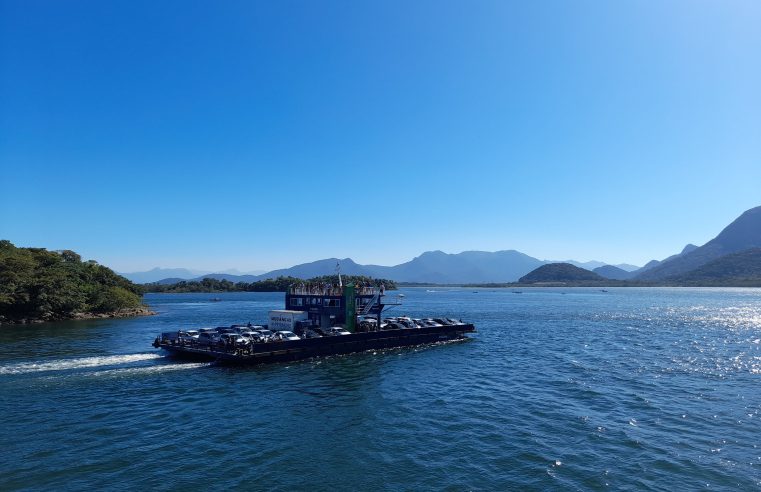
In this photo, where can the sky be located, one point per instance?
(258, 135)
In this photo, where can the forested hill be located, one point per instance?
(560, 272)
(41, 285)
(737, 270)
(279, 284)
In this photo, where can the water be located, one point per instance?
(575, 389)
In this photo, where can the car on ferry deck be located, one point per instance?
(208, 338)
(367, 323)
(234, 339)
(189, 336)
(282, 336)
(265, 334)
(252, 337)
(337, 330)
(406, 323)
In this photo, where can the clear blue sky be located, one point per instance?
(257, 135)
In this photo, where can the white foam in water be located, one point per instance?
(150, 369)
(66, 364)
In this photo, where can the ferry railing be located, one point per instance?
(372, 303)
(396, 301)
(329, 291)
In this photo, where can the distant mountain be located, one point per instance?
(174, 275)
(223, 276)
(592, 265)
(586, 265)
(560, 273)
(650, 264)
(627, 267)
(654, 263)
(304, 270)
(687, 249)
(742, 234)
(465, 267)
(613, 273)
(235, 271)
(318, 268)
(738, 269)
(168, 281)
(430, 267)
(157, 274)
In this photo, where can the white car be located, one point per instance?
(281, 336)
(336, 330)
(264, 334)
(234, 339)
(253, 337)
(188, 336)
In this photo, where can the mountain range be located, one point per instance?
(429, 267)
(504, 266)
(742, 234)
(733, 258)
(164, 275)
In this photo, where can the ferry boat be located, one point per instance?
(318, 320)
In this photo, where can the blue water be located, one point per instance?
(635, 389)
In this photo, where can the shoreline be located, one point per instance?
(122, 313)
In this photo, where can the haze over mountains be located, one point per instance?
(177, 274)
(733, 257)
(741, 235)
(429, 267)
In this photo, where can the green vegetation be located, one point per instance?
(560, 272)
(279, 284)
(36, 284)
(736, 270)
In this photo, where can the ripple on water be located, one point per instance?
(637, 388)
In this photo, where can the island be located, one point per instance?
(279, 284)
(563, 273)
(38, 285)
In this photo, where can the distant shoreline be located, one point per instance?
(122, 313)
(514, 285)
(508, 286)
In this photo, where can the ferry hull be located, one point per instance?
(261, 353)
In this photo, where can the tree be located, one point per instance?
(36, 283)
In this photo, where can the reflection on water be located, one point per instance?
(560, 388)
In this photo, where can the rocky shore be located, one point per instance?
(121, 313)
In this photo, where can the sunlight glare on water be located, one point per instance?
(560, 388)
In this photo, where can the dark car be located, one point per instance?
(208, 338)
